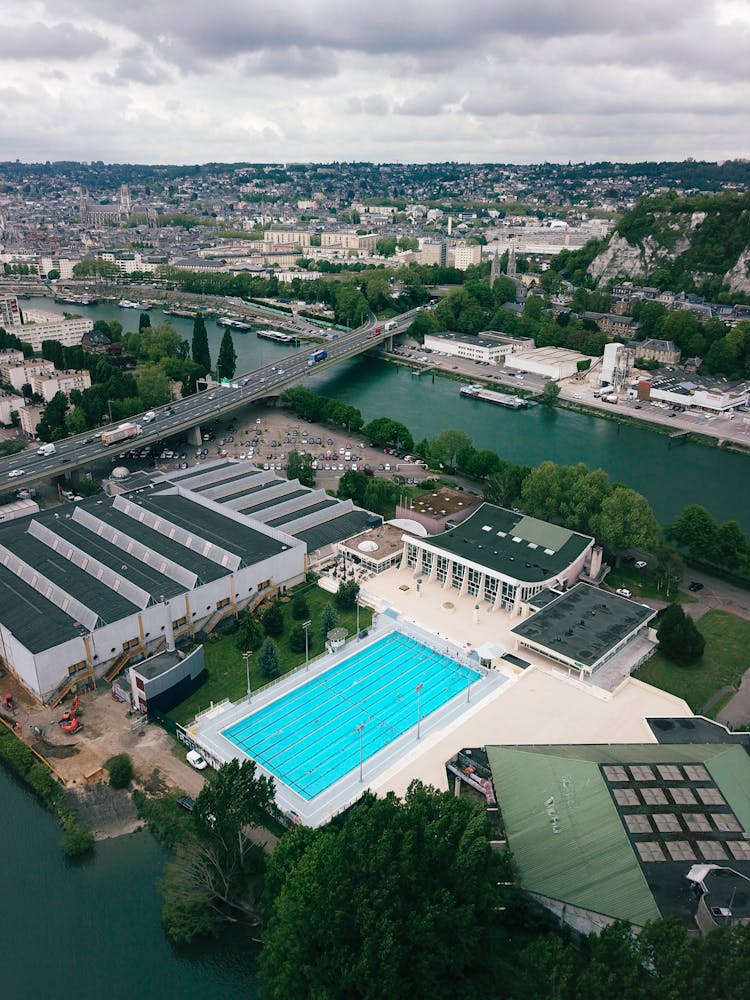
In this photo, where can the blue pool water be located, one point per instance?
(307, 738)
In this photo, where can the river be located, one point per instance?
(83, 932)
(670, 478)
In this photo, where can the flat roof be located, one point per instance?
(157, 665)
(376, 543)
(461, 338)
(615, 828)
(520, 547)
(438, 503)
(584, 623)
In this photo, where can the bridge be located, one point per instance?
(28, 468)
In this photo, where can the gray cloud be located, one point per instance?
(62, 42)
(551, 79)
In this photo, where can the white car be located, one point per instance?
(15, 473)
(195, 760)
(641, 564)
(623, 592)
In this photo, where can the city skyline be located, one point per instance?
(324, 80)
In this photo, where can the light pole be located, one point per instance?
(246, 657)
(468, 684)
(356, 601)
(418, 689)
(359, 729)
(306, 626)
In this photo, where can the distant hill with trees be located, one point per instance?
(698, 244)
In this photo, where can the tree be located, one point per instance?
(227, 362)
(352, 486)
(52, 425)
(249, 633)
(679, 638)
(268, 659)
(200, 350)
(383, 431)
(120, 771)
(298, 639)
(273, 619)
(626, 521)
(300, 607)
(550, 393)
(380, 901)
(447, 444)
(153, 386)
(347, 594)
(300, 467)
(696, 530)
(144, 320)
(216, 875)
(53, 275)
(328, 619)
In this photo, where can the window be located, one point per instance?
(178, 622)
(74, 668)
(130, 644)
(139, 684)
(222, 604)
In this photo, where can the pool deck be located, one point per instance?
(208, 728)
(541, 704)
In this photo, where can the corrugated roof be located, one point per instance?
(564, 828)
(565, 833)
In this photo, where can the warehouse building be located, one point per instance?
(110, 580)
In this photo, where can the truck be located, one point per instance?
(149, 416)
(121, 433)
(316, 356)
(46, 449)
(390, 325)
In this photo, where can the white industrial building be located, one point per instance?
(106, 580)
(554, 363)
(461, 345)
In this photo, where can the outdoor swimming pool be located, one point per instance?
(314, 735)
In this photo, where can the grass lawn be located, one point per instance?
(641, 583)
(726, 658)
(225, 667)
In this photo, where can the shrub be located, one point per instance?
(268, 659)
(347, 594)
(120, 771)
(300, 609)
(78, 841)
(328, 619)
(297, 640)
(679, 638)
(273, 620)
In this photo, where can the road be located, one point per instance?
(26, 469)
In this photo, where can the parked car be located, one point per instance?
(695, 586)
(640, 564)
(195, 760)
(186, 803)
(623, 592)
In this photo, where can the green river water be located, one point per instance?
(669, 477)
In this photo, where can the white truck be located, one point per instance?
(390, 325)
(121, 433)
(46, 449)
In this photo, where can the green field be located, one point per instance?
(726, 658)
(225, 667)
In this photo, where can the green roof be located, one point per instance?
(506, 542)
(565, 831)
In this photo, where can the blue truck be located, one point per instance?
(316, 356)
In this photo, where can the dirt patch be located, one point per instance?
(109, 812)
(54, 751)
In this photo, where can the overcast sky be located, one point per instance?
(183, 81)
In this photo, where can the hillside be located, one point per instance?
(698, 244)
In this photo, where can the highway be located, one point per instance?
(28, 467)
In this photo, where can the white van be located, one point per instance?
(46, 449)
